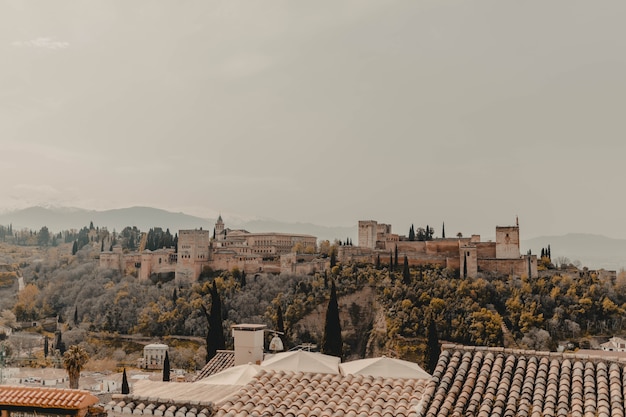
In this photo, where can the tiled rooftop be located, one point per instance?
(468, 381)
(483, 382)
(38, 397)
(279, 393)
(223, 359)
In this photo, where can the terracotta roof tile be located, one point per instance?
(470, 381)
(46, 397)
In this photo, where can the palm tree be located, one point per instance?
(73, 361)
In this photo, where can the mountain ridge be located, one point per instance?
(57, 219)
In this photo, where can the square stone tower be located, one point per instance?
(507, 242)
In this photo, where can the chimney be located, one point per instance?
(249, 340)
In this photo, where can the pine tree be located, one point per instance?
(166, 367)
(125, 387)
(332, 343)
(406, 274)
(433, 350)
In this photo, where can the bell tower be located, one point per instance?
(219, 228)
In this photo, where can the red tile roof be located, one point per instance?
(38, 397)
(280, 393)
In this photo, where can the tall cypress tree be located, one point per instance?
(332, 343)
(166, 367)
(406, 274)
(411, 233)
(46, 347)
(215, 336)
(433, 350)
(280, 322)
(333, 258)
(443, 230)
(125, 387)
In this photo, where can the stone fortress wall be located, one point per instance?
(460, 253)
(273, 252)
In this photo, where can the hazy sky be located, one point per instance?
(320, 111)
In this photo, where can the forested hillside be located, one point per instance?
(382, 311)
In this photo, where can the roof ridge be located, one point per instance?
(529, 352)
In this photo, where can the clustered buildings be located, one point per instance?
(296, 253)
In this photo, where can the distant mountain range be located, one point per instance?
(593, 251)
(144, 218)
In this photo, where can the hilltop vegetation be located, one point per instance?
(382, 311)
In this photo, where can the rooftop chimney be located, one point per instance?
(248, 343)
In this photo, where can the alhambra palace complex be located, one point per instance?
(273, 253)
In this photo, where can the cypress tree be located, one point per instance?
(390, 262)
(433, 349)
(166, 367)
(46, 347)
(333, 259)
(280, 323)
(443, 230)
(406, 274)
(411, 233)
(332, 343)
(76, 315)
(74, 248)
(215, 336)
(378, 261)
(125, 387)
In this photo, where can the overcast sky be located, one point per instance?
(405, 112)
